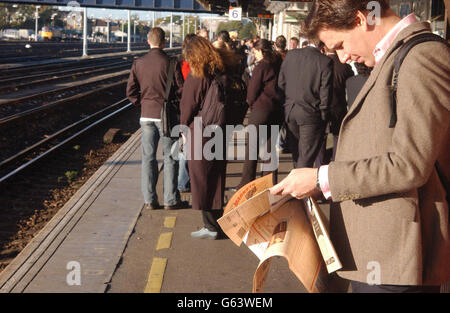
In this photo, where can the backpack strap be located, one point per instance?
(405, 47)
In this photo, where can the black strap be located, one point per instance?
(169, 78)
(405, 47)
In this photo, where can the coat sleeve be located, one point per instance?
(133, 87)
(194, 91)
(420, 135)
(326, 86)
(255, 85)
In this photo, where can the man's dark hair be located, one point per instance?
(280, 42)
(305, 43)
(295, 39)
(156, 36)
(336, 14)
(224, 36)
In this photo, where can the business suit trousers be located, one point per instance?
(258, 118)
(307, 138)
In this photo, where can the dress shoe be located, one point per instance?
(151, 206)
(204, 233)
(179, 205)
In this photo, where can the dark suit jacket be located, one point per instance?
(338, 107)
(354, 85)
(147, 82)
(306, 78)
(262, 91)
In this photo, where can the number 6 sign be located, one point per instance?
(235, 14)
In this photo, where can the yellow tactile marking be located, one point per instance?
(164, 241)
(156, 275)
(169, 221)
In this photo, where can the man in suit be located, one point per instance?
(306, 79)
(338, 107)
(146, 87)
(389, 219)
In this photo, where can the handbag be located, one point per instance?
(170, 112)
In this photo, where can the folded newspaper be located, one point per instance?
(281, 226)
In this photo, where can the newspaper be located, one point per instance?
(281, 226)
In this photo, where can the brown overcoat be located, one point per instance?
(390, 215)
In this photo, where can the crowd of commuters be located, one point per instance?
(373, 170)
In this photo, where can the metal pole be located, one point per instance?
(36, 24)
(188, 30)
(184, 18)
(195, 27)
(270, 29)
(85, 32)
(153, 22)
(210, 28)
(171, 29)
(107, 33)
(129, 32)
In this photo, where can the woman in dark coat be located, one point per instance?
(264, 101)
(207, 176)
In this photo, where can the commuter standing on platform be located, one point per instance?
(306, 78)
(184, 182)
(280, 46)
(389, 218)
(338, 107)
(293, 43)
(147, 89)
(207, 176)
(264, 100)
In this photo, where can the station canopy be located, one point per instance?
(250, 8)
(192, 6)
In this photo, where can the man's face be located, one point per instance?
(293, 44)
(354, 44)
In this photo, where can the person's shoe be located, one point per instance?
(179, 205)
(151, 206)
(184, 190)
(204, 233)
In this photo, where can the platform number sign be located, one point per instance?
(235, 14)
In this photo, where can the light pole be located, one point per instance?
(171, 29)
(85, 32)
(36, 24)
(135, 22)
(184, 18)
(129, 32)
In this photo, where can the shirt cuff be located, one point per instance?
(323, 181)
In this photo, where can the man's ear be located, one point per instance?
(362, 21)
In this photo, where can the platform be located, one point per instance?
(103, 241)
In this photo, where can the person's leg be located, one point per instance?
(256, 118)
(183, 173)
(210, 220)
(310, 141)
(293, 140)
(149, 175)
(170, 190)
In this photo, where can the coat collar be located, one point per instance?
(403, 35)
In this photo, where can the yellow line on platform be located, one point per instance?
(156, 275)
(164, 241)
(169, 221)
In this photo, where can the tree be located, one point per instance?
(248, 31)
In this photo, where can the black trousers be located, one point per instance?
(306, 140)
(257, 118)
(210, 219)
(358, 287)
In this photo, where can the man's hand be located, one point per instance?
(300, 183)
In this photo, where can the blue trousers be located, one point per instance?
(151, 133)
